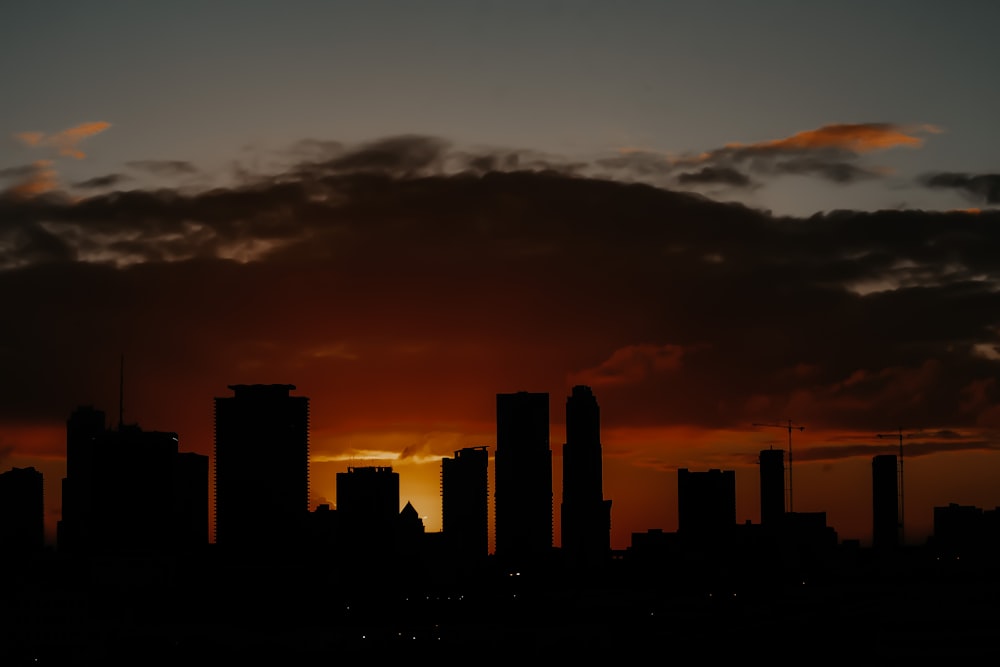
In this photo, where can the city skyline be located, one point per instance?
(716, 215)
(770, 462)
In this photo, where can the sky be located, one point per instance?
(721, 216)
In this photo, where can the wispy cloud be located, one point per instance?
(831, 152)
(66, 142)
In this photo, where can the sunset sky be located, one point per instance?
(715, 214)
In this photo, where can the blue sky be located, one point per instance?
(213, 84)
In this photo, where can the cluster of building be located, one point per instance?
(130, 491)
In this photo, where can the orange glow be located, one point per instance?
(860, 138)
(42, 179)
(65, 141)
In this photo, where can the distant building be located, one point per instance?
(368, 518)
(772, 486)
(885, 502)
(261, 469)
(465, 504)
(966, 530)
(586, 515)
(523, 494)
(130, 490)
(706, 503)
(22, 513)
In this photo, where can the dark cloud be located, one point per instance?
(911, 448)
(19, 172)
(983, 188)
(100, 182)
(164, 167)
(826, 167)
(409, 265)
(716, 176)
(404, 155)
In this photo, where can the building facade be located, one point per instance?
(706, 502)
(261, 469)
(885, 501)
(772, 486)
(523, 480)
(584, 512)
(465, 504)
(22, 513)
(130, 490)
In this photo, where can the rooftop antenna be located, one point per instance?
(121, 393)
(789, 426)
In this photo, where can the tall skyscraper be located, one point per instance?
(465, 504)
(706, 502)
(772, 486)
(261, 469)
(586, 515)
(369, 516)
(885, 502)
(523, 494)
(22, 513)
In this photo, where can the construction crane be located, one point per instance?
(899, 475)
(789, 426)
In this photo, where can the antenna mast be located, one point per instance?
(789, 426)
(899, 477)
(121, 392)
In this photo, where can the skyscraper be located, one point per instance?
(368, 507)
(885, 502)
(586, 515)
(127, 489)
(465, 504)
(261, 468)
(523, 494)
(22, 513)
(772, 486)
(706, 502)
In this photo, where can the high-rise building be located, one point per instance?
(885, 501)
(706, 502)
(523, 494)
(585, 514)
(369, 516)
(22, 513)
(465, 504)
(261, 469)
(84, 427)
(772, 486)
(127, 489)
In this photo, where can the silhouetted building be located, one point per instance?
(84, 427)
(128, 490)
(368, 511)
(885, 502)
(261, 469)
(22, 513)
(523, 494)
(586, 515)
(191, 503)
(465, 505)
(966, 530)
(409, 544)
(706, 502)
(772, 486)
